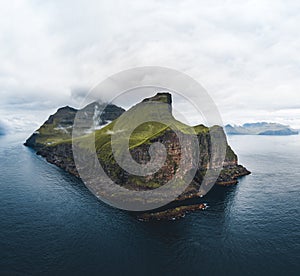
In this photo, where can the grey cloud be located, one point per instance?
(246, 54)
(79, 93)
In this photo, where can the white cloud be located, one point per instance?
(245, 53)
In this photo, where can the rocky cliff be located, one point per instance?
(53, 141)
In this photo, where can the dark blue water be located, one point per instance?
(52, 225)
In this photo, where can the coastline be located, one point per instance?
(229, 176)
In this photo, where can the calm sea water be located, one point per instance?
(52, 225)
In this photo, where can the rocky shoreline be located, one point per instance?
(172, 213)
(61, 156)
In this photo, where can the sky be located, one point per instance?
(246, 54)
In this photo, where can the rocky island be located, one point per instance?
(53, 141)
(261, 128)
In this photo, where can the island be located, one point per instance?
(260, 128)
(53, 141)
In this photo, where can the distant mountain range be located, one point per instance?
(261, 128)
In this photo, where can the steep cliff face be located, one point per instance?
(61, 155)
(57, 149)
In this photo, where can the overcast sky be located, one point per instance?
(246, 54)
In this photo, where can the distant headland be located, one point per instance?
(260, 128)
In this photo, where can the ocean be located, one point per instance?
(52, 225)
